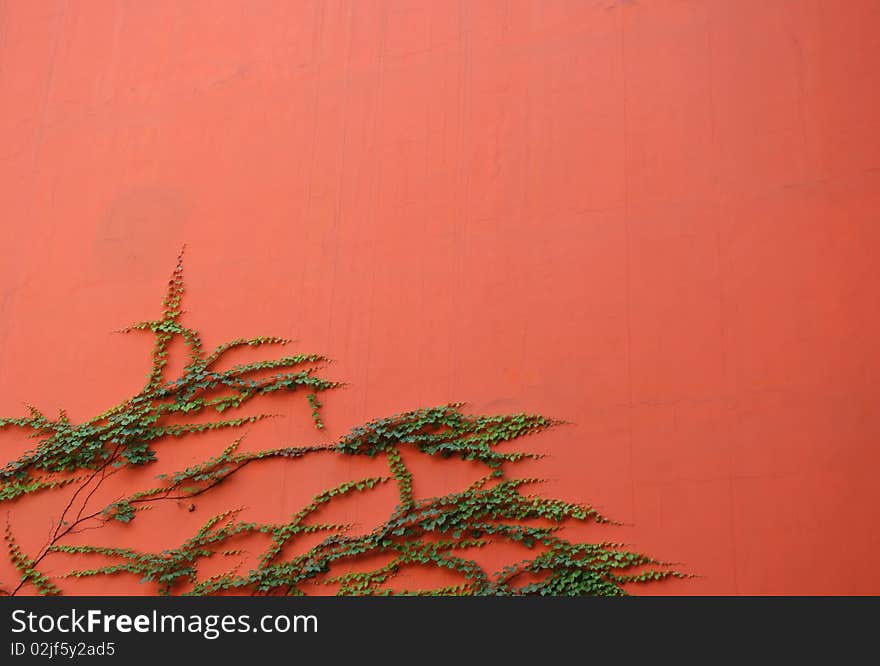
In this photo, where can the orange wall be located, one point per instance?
(656, 219)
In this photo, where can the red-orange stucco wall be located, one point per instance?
(655, 219)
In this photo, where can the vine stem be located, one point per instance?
(80, 519)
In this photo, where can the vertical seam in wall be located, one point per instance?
(460, 240)
(337, 216)
(627, 235)
(526, 199)
(422, 371)
(39, 133)
(722, 308)
(377, 107)
(316, 60)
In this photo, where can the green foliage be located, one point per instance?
(28, 567)
(316, 405)
(439, 532)
(125, 434)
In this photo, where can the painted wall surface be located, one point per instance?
(656, 219)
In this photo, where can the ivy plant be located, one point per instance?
(440, 532)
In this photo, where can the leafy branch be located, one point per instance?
(434, 532)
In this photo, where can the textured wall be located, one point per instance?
(656, 219)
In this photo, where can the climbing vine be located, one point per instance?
(441, 532)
